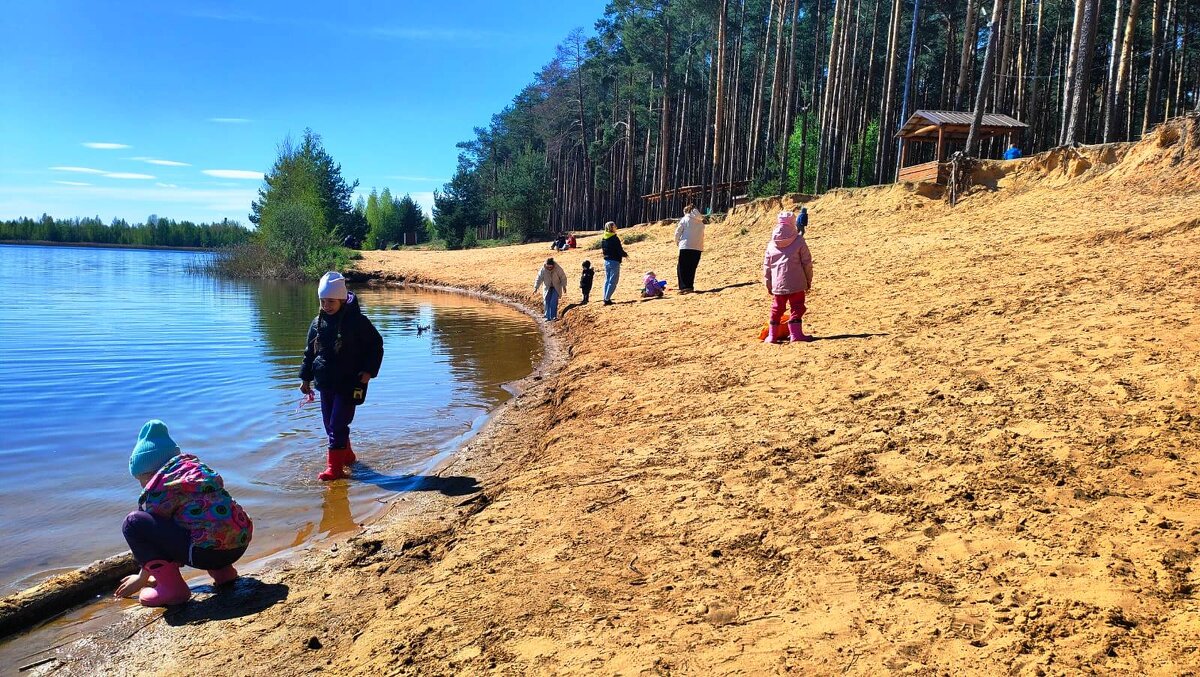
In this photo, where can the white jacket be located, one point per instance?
(555, 278)
(689, 234)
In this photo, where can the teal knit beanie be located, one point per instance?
(153, 449)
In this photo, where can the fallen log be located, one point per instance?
(59, 593)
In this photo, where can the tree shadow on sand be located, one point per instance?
(839, 337)
(245, 596)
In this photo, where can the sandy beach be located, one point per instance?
(987, 463)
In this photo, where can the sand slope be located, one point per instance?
(987, 464)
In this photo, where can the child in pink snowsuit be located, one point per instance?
(787, 272)
(651, 287)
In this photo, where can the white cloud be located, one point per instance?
(166, 185)
(72, 183)
(79, 170)
(100, 145)
(424, 179)
(127, 175)
(200, 203)
(163, 163)
(231, 121)
(234, 174)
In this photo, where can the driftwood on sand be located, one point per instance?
(57, 594)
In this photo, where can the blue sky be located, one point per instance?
(126, 109)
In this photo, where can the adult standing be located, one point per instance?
(610, 245)
(554, 279)
(689, 235)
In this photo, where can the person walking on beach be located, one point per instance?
(184, 517)
(689, 236)
(554, 279)
(610, 245)
(585, 280)
(343, 352)
(787, 272)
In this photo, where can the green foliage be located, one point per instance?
(866, 147)
(156, 232)
(459, 207)
(522, 196)
(795, 144)
(306, 173)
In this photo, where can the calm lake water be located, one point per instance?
(94, 342)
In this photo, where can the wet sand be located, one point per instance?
(986, 465)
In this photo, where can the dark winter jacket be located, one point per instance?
(585, 279)
(340, 347)
(610, 244)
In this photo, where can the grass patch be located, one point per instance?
(254, 259)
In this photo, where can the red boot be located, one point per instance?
(351, 459)
(335, 468)
(169, 587)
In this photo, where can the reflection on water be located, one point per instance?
(106, 339)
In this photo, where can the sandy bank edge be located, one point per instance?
(23, 611)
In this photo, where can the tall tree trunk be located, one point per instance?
(1083, 68)
(1150, 115)
(1121, 82)
(1069, 80)
(1114, 51)
(989, 64)
(912, 51)
(887, 123)
(718, 115)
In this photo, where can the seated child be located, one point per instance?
(652, 287)
(184, 516)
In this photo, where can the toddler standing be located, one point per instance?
(585, 280)
(787, 272)
(343, 353)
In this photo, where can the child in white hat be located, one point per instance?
(343, 352)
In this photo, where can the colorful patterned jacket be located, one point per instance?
(190, 493)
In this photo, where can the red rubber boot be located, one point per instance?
(351, 459)
(169, 587)
(335, 467)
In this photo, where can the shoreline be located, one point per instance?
(103, 245)
(26, 610)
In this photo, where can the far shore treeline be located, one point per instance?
(156, 231)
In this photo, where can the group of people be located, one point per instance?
(787, 270)
(185, 517)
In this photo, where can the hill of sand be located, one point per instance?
(987, 463)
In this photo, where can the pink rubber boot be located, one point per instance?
(796, 332)
(223, 575)
(169, 587)
(772, 328)
(335, 468)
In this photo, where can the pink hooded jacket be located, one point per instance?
(787, 265)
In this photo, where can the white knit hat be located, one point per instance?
(332, 286)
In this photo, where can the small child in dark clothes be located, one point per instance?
(585, 280)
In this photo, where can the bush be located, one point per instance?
(631, 238)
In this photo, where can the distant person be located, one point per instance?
(1013, 153)
(554, 279)
(350, 242)
(610, 245)
(571, 243)
(787, 272)
(652, 287)
(343, 352)
(560, 243)
(689, 236)
(184, 517)
(585, 280)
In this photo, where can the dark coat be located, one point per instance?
(340, 347)
(585, 279)
(611, 246)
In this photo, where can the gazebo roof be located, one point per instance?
(954, 125)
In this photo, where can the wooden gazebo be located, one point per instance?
(942, 127)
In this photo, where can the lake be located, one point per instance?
(94, 342)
